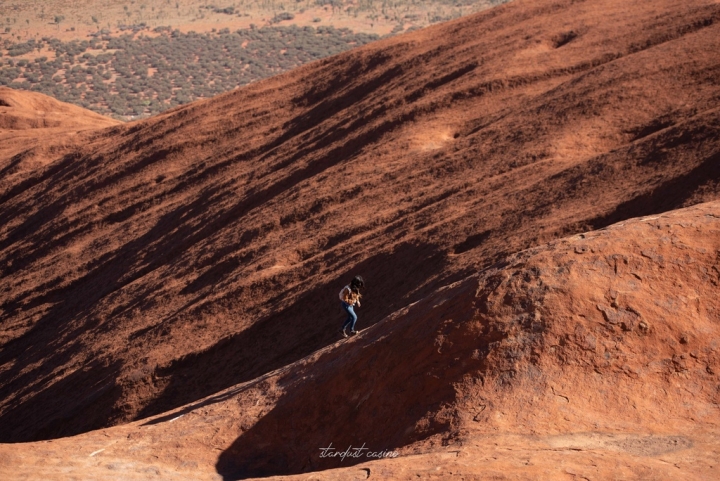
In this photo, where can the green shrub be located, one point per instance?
(280, 17)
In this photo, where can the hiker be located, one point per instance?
(350, 297)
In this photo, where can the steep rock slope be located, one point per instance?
(595, 356)
(614, 331)
(31, 110)
(163, 260)
(36, 129)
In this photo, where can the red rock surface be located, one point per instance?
(148, 265)
(36, 129)
(31, 110)
(595, 356)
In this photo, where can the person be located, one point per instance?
(349, 298)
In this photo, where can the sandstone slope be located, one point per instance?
(30, 110)
(592, 357)
(158, 262)
(36, 129)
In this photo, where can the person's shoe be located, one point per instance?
(344, 333)
(352, 333)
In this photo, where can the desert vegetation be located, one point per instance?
(137, 58)
(137, 75)
(23, 17)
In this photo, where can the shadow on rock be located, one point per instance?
(311, 323)
(387, 388)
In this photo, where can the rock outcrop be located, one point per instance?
(593, 356)
(148, 265)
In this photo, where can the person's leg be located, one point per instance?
(353, 320)
(352, 326)
(352, 317)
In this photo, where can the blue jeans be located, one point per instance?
(351, 318)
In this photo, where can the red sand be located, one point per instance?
(151, 264)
